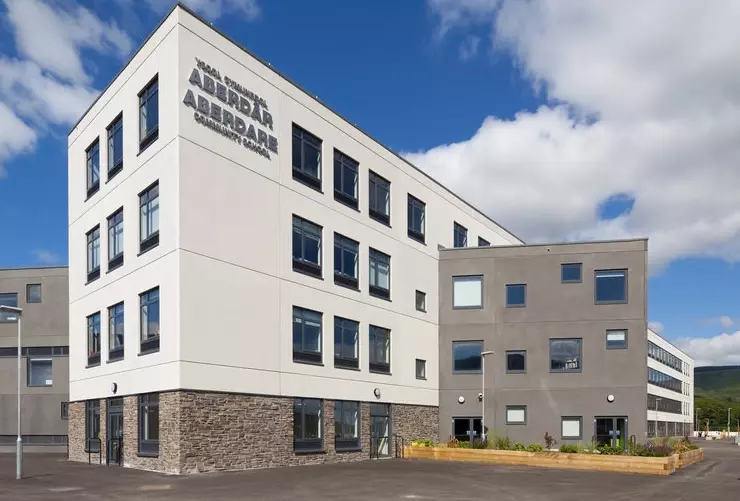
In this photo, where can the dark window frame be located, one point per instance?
(516, 407)
(377, 338)
(30, 362)
(149, 93)
(460, 231)
(303, 444)
(620, 346)
(413, 205)
(300, 172)
(376, 182)
(92, 426)
(343, 244)
(471, 342)
(114, 131)
(375, 257)
(580, 427)
(93, 356)
(341, 327)
(423, 295)
(116, 220)
(345, 441)
(569, 266)
(423, 365)
(344, 165)
(611, 301)
(516, 305)
(93, 253)
(149, 343)
(29, 299)
(148, 447)
(303, 355)
(64, 411)
(147, 197)
(116, 352)
(516, 352)
(580, 356)
(305, 228)
(92, 158)
(8, 317)
(482, 242)
(467, 278)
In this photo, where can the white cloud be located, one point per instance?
(643, 99)
(15, 136)
(657, 327)
(724, 321)
(213, 9)
(46, 257)
(723, 349)
(469, 47)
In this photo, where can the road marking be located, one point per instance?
(65, 489)
(155, 487)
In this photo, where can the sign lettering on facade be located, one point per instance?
(241, 115)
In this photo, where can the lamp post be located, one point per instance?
(657, 400)
(18, 443)
(697, 424)
(483, 356)
(729, 411)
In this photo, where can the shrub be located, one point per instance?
(453, 443)
(534, 448)
(608, 450)
(502, 443)
(463, 445)
(593, 446)
(519, 447)
(550, 441)
(423, 442)
(683, 446)
(477, 443)
(569, 448)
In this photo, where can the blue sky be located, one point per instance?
(488, 96)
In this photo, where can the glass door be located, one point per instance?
(115, 431)
(380, 430)
(611, 431)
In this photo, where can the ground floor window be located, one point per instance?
(308, 430)
(92, 425)
(347, 425)
(149, 425)
(466, 428)
(571, 428)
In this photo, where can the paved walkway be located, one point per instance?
(52, 478)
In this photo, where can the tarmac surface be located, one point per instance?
(52, 477)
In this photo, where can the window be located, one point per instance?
(570, 273)
(565, 355)
(465, 428)
(467, 356)
(149, 114)
(610, 286)
(570, 428)
(380, 350)
(8, 299)
(380, 274)
(421, 301)
(482, 242)
(417, 210)
(421, 369)
(93, 339)
(149, 425)
(115, 239)
(149, 218)
(380, 198)
(467, 292)
(39, 372)
(657, 353)
(93, 168)
(115, 332)
(346, 343)
(149, 316)
(663, 404)
(663, 380)
(347, 426)
(616, 339)
(516, 414)
(345, 179)
(306, 247)
(93, 254)
(35, 351)
(115, 147)
(516, 362)
(306, 158)
(65, 411)
(346, 261)
(92, 426)
(33, 293)
(516, 295)
(308, 425)
(306, 335)
(460, 236)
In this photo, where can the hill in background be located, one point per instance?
(717, 388)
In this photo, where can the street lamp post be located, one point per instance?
(697, 424)
(729, 411)
(657, 400)
(483, 356)
(18, 442)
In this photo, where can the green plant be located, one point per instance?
(569, 448)
(593, 446)
(453, 443)
(550, 441)
(502, 443)
(478, 444)
(422, 442)
(579, 448)
(519, 447)
(534, 448)
(464, 445)
(608, 450)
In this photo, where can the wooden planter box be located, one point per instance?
(592, 462)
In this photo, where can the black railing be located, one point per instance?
(90, 452)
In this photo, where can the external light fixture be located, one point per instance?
(376, 392)
(461, 399)
(610, 398)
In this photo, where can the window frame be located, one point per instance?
(93, 357)
(29, 299)
(467, 278)
(414, 204)
(455, 343)
(91, 154)
(344, 442)
(148, 93)
(618, 347)
(516, 305)
(376, 181)
(423, 374)
(516, 352)
(580, 427)
(580, 356)
(92, 432)
(516, 408)
(300, 173)
(147, 199)
(376, 335)
(340, 360)
(310, 445)
(567, 266)
(30, 363)
(423, 295)
(342, 164)
(9, 317)
(116, 352)
(303, 227)
(115, 127)
(93, 253)
(346, 244)
(116, 260)
(148, 447)
(374, 289)
(482, 242)
(303, 355)
(458, 229)
(64, 411)
(626, 286)
(150, 344)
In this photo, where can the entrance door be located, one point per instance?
(611, 431)
(466, 429)
(380, 431)
(115, 431)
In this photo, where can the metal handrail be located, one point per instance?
(90, 451)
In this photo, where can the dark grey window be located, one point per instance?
(345, 179)
(610, 286)
(463, 428)
(149, 320)
(149, 425)
(346, 261)
(482, 242)
(460, 235)
(308, 426)
(33, 293)
(467, 356)
(8, 299)
(347, 426)
(346, 343)
(664, 404)
(380, 350)
(93, 254)
(93, 339)
(380, 198)
(115, 239)
(35, 351)
(571, 428)
(149, 217)
(421, 301)
(380, 274)
(306, 158)
(516, 361)
(92, 425)
(616, 339)
(306, 335)
(663, 380)
(64, 411)
(149, 114)
(570, 273)
(663, 356)
(306, 247)
(516, 414)
(93, 168)
(516, 295)
(39, 372)
(115, 332)
(115, 147)
(416, 216)
(565, 355)
(421, 369)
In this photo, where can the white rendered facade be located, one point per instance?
(223, 263)
(686, 377)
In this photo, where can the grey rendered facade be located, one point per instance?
(553, 309)
(42, 293)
